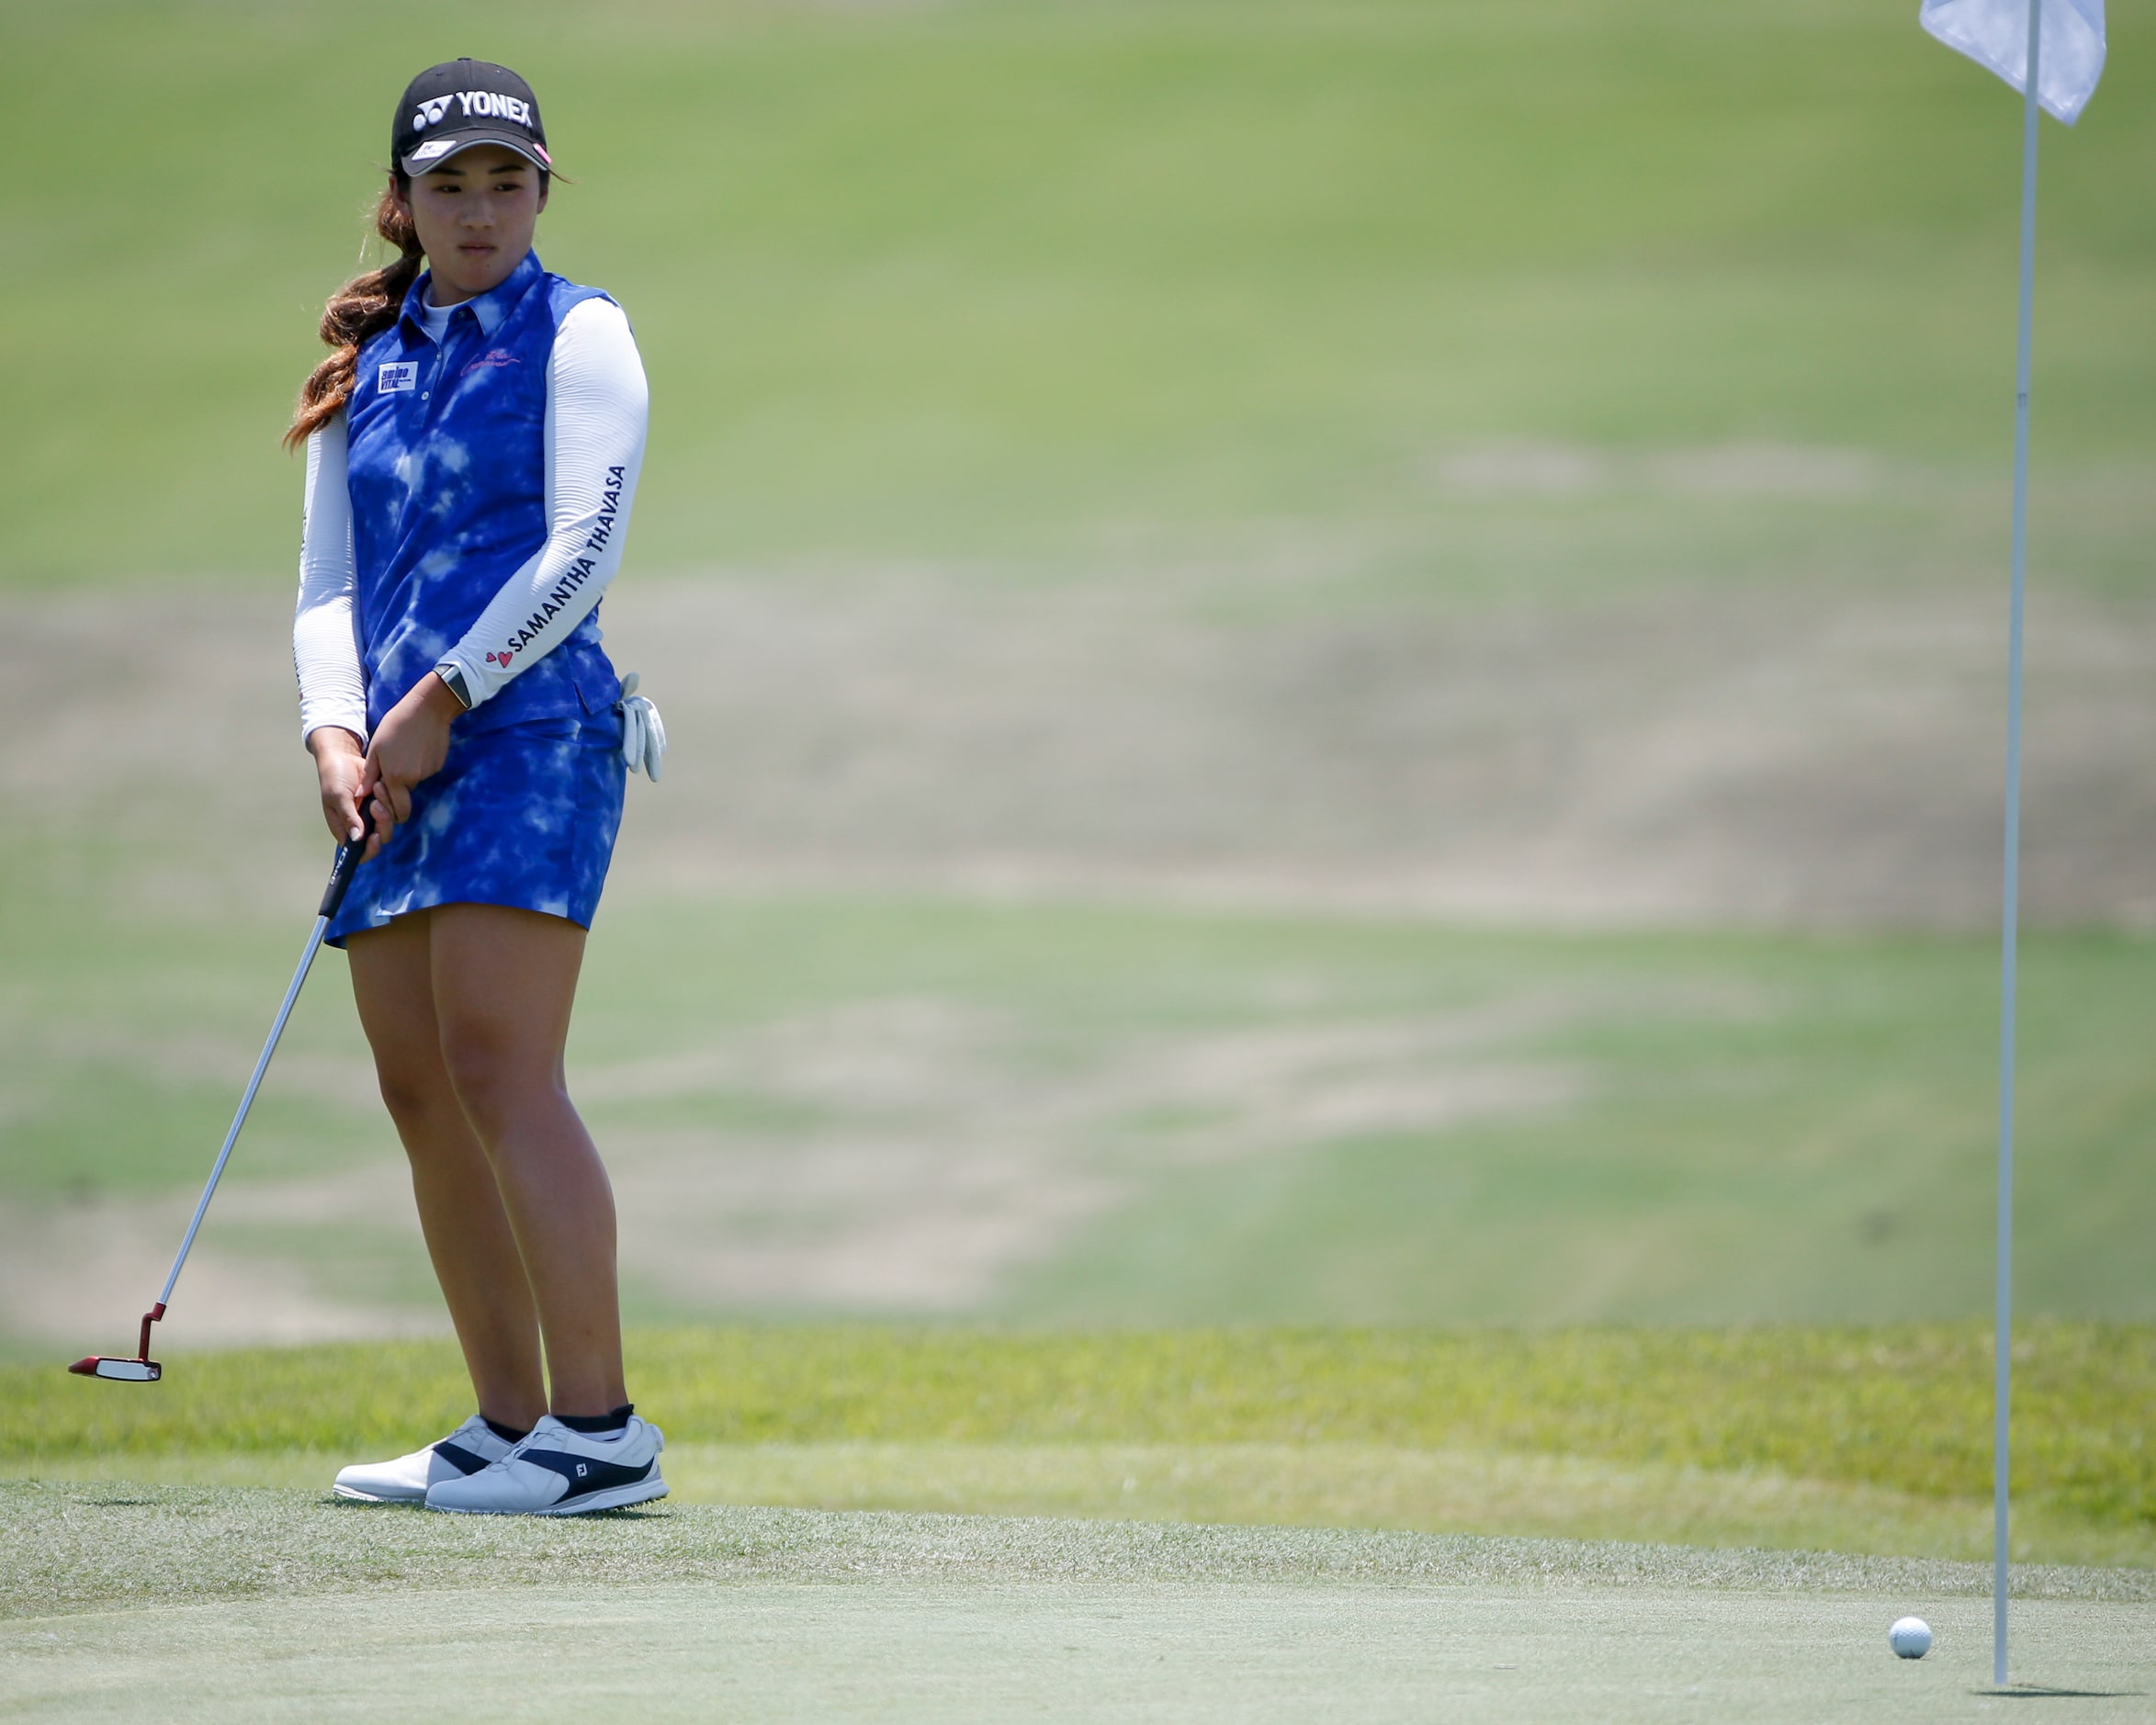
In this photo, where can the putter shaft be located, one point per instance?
(224, 1154)
(349, 857)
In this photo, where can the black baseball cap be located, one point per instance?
(461, 103)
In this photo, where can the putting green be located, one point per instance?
(273, 1605)
(904, 1649)
(1489, 1492)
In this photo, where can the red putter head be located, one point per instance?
(121, 1370)
(142, 1369)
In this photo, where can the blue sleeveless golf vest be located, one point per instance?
(449, 494)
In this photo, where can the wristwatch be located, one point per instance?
(449, 674)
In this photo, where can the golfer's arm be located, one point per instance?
(597, 403)
(326, 643)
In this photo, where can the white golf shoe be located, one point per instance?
(557, 1472)
(465, 1450)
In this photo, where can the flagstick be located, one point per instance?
(2003, 1320)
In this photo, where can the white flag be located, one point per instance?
(1994, 33)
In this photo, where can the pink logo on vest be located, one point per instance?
(493, 356)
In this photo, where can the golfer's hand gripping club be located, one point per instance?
(350, 855)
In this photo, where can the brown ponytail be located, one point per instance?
(358, 312)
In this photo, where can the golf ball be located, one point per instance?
(1911, 1638)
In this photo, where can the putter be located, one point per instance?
(142, 1369)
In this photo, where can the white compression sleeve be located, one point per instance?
(597, 403)
(325, 641)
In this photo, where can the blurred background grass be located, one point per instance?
(1009, 280)
(1309, 363)
(1089, 1114)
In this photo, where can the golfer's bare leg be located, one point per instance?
(505, 983)
(468, 1232)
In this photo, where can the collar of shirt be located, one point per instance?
(489, 307)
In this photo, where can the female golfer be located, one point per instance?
(472, 451)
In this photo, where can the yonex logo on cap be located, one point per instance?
(491, 104)
(474, 105)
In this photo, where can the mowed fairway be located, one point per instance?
(1320, 656)
(1080, 1114)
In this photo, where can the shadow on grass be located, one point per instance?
(2044, 1692)
(330, 1500)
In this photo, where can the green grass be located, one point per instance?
(130, 1036)
(224, 1603)
(1385, 1487)
(1015, 280)
(1080, 292)
(1758, 1116)
(1866, 1441)
(1765, 1128)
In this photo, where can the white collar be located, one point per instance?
(487, 307)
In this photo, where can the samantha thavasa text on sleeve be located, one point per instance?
(597, 406)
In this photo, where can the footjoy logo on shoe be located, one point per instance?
(581, 1469)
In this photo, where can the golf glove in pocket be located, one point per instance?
(643, 733)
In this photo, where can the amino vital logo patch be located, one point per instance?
(394, 377)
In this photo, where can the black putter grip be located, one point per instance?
(348, 860)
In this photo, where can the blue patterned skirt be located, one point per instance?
(523, 814)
